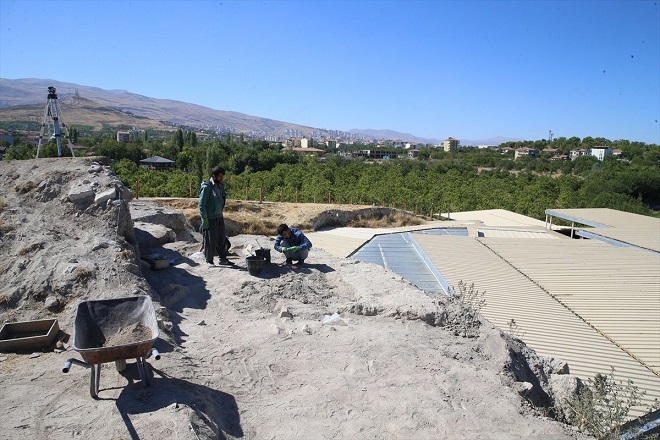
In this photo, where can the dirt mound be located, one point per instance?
(334, 349)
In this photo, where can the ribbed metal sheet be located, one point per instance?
(514, 233)
(342, 242)
(571, 299)
(615, 289)
(544, 323)
(401, 254)
(496, 218)
(639, 230)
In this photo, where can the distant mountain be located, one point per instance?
(93, 106)
(20, 92)
(392, 135)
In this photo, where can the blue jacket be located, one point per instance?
(297, 239)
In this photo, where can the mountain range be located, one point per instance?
(87, 105)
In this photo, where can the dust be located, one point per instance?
(131, 334)
(309, 289)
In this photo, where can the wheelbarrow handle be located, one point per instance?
(155, 354)
(67, 364)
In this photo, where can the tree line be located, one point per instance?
(437, 181)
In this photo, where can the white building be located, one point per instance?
(601, 152)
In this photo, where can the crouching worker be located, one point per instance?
(293, 244)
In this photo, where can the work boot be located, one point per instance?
(289, 261)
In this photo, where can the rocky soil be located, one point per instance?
(336, 349)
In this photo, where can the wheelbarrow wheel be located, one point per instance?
(120, 364)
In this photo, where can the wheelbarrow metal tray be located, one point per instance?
(99, 323)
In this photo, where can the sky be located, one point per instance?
(434, 69)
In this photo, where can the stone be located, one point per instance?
(150, 235)
(81, 196)
(104, 196)
(52, 303)
(564, 389)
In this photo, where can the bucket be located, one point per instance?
(263, 252)
(255, 264)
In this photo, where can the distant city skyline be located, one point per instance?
(434, 69)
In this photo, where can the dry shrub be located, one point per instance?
(259, 227)
(25, 188)
(31, 248)
(126, 254)
(4, 228)
(391, 220)
(82, 275)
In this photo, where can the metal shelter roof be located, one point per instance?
(632, 229)
(587, 302)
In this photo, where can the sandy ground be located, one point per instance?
(243, 356)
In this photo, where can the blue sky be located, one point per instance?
(466, 69)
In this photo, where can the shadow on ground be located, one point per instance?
(212, 409)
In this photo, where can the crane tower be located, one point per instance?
(52, 115)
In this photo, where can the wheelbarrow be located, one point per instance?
(114, 330)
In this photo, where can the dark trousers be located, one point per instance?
(214, 240)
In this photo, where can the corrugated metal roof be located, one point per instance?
(542, 321)
(615, 289)
(495, 218)
(513, 233)
(635, 229)
(586, 302)
(401, 254)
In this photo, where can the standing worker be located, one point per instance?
(293, 244)
(212, 197)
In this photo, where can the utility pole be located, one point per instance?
(52, 114)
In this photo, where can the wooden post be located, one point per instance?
(190, 189)
(281, 194)
(246, 193)
(137, 189)
(260, 195)
(329, 199)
